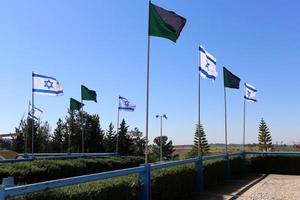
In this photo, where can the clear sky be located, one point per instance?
(103, 45)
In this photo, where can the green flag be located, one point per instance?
(230, 80)
(89, 95)
(164, 23)
(75, 105)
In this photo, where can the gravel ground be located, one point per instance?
(255, 187)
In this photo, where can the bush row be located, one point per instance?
(275, 164)
(43, 170)
(167, 184)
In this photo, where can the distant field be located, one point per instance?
(183, 150)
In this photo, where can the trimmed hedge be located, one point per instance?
(275, 164)
(123, 188)
(167, 184)
(43, 170)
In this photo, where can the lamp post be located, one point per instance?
(161, 116)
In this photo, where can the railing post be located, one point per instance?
(8, 182)
(2, 192)
(200, 175)
(145, 178)
(244, 162)
(227, 167)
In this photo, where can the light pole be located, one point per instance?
(161, 116)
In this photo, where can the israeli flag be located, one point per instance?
(35, 113)
(208, 64)
(124, 104)
(250, 93)
(46, 85)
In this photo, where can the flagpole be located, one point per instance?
(82, 131)
(117, 133)
(225, 120)
(32, 129)
(147, 94)
(199, 92)
(244, 125)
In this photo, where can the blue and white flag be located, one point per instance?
(34, 113)
(250, 93)
(208, 64)
(124, 104)
(46, 85)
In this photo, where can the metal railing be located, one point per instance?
(7, 189)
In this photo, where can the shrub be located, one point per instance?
(43, 170)
(275, 164)
(122, 188)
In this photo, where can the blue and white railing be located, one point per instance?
(7, 189)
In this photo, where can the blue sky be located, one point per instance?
(103, 45)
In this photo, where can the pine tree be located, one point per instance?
(93, 134)
(167, 148)
(124, 140)
(264, 136)
(58, 138)
(110, 139)
(204, 147)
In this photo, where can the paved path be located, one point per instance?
(255, 187)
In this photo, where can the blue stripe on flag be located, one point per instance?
(209, 58)
(48, 91)
(32, 117)
(250, 99)
(126, 108)
(43, 76)
(250, 88)
(206, 74)
(38, 109)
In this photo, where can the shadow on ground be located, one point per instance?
(231, 189)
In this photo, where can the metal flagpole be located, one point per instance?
(161, 138)
(198, 127)
(82, 125)
(225, 120)
(117, 133)
(244, 125)
(147, 94)
(32, 129)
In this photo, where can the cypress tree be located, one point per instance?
(264, 136)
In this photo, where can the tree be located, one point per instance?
(138, 142)
(167, 148)
(58, 138)
(110, 139)
(264, 136)
(73, 126)
(93, 134)
(201, 148)
(124, 140)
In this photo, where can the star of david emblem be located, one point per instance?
(126, 103)
(248, 93)
(48, 84)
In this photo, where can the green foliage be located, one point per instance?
(201, 148)
(93, 134)
(123, 188)
(124, 141)
(167, 148)
(110, 139)
(167, 184)
(138, 142)
(173, 183)
(42, 170)
(58, 139)
(264, 136)
(41, 136)
(276, 164)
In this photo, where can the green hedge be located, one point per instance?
(123, 188)
(43, 170)
(275, 164)
(167, 184)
